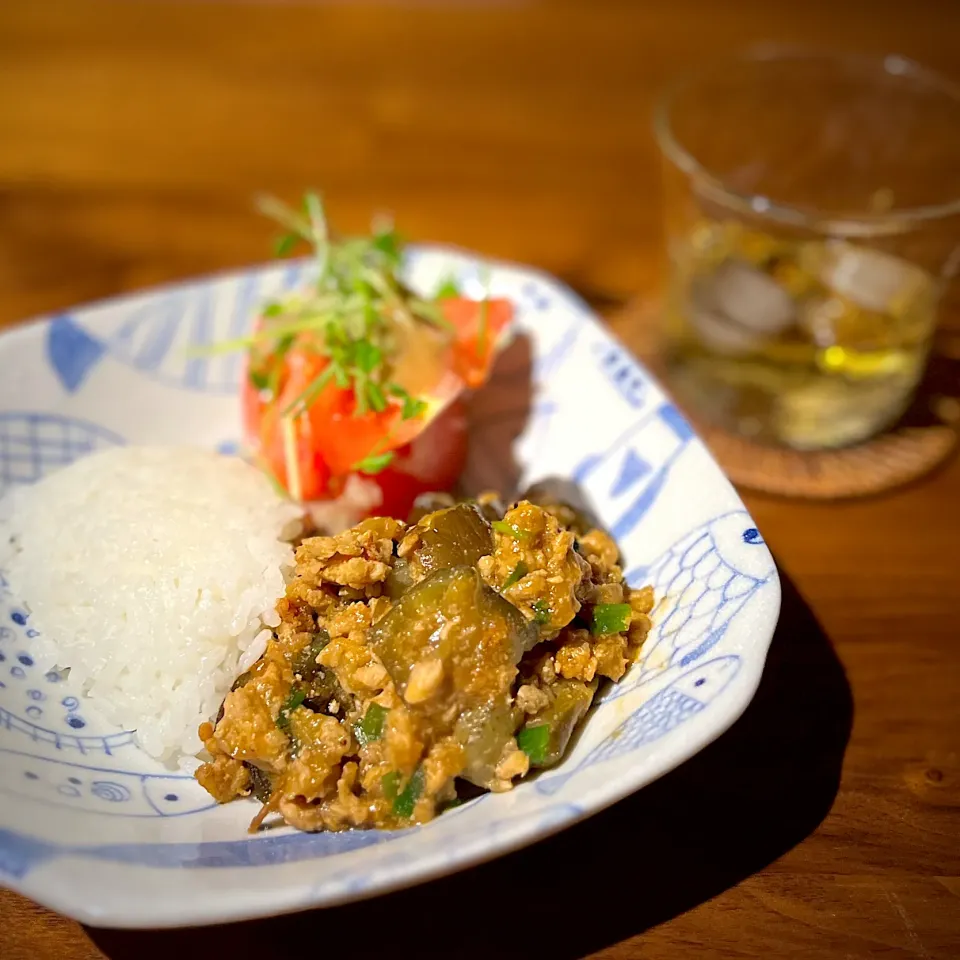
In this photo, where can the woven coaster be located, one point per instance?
(925, 438)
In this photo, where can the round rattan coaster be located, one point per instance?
(925, 439)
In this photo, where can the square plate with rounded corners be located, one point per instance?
(92, 827)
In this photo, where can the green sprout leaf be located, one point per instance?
(374, 464)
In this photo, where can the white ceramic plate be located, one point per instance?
(92, 827)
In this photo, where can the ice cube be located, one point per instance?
(752, 299)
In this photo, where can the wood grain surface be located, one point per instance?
(826, 823)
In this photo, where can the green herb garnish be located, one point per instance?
(519, 572)
(448, 288)
(534, 741)
(509, 529)
(347, 315)
(610, 618)
(371, 726)
(376, 397)
(406, 800)
(259, 379)
(374, 464)
(541, 612)
(411, 406)
(292, 702)
(285, 244)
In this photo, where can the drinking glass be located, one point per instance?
(812, 206)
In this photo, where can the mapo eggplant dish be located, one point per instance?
(460, 649)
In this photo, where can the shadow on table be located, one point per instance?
(731, 810)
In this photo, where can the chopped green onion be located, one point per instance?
(519, 572)
(371, 726)
(534, 741)
(509, 529)
(292, 702)
(406, 800)
(374, 463)
(272, 310)
(448, 288)
(610, 618)
(285, 244)
(541, 612)
(390, 781)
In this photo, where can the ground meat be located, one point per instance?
(319, 718)
(224, 778)
(531, 699)
(611, 656)
(424, 681)
(600, 550)
(357, 558)
(248, 728)
(514, 763)
(574, 658)
(641, 604)
(533, 551)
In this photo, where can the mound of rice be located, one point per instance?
(152, 573)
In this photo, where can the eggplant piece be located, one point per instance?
(428, 503)
(400, 578)
(305, 662)
(319, 684)
(456, 536)
(455, 628)
(261, 786)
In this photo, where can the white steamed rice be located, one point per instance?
(153, 574)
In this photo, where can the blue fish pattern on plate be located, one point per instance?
(701, 583)
(164, 339)
(666, 710)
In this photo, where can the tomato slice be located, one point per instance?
(329, 440)
(433, 461)
(479, 327)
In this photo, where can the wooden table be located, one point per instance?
(827, 822)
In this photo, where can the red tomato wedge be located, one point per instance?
(329, 441)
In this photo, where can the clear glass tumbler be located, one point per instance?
(813, 224)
